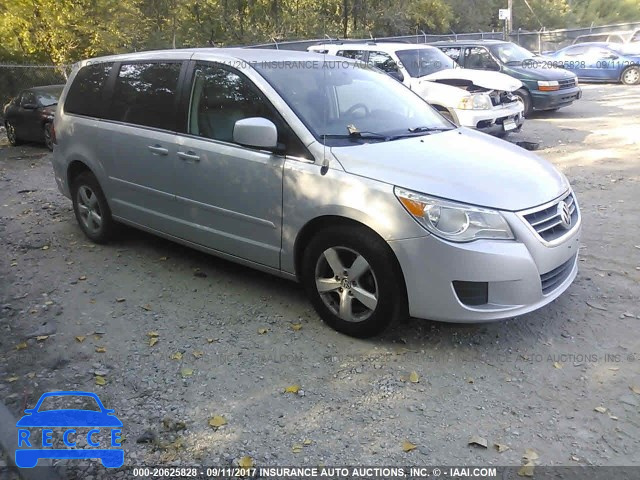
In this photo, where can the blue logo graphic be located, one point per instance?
(27, 457)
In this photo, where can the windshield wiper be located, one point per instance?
(357, 136)
(418, 131)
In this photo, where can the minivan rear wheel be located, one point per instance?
(91, 208)
(48, 138)
(353, 281)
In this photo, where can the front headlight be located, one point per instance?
(454, 221)
(476, 101)
(548, 86)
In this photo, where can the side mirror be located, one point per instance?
(30, 106)
(612, 57)
(397, 75)
(256, 132)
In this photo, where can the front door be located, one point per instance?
(229, 195)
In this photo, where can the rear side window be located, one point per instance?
(353, 54)
(85, 96)
(145, 94)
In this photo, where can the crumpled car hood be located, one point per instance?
(480, 78)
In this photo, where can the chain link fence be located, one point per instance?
(537, 42)
(16, 77)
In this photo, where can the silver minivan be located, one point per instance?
(318, 169)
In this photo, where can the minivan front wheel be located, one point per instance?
(12, 135)
(91, 208)
(353, 281)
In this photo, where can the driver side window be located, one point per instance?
(220, 97)
(480, 59)
(383, 61)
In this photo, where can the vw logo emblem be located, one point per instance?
(564, 214)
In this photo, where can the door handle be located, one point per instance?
(191, 156)
(158, 149)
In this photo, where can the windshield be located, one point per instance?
(424, 61)
(46, 99)
(336, 99)
(511, 53)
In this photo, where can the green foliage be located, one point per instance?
(63, 31)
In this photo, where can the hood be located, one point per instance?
(480, 78)
(541, 73)
(461, 165)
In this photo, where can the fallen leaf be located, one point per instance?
(12, 379)
(245, 462)
(48, 302)
(83, 277)
(596, 306)
(46, 247)
(211, 340)
(120, 299)
(146, 307)
(574, 458)
(163, 259)
(557, 365)
(292, 389)
(526, 470)
(176, 356)
(153, 334)
(262, 331)
(635, 389)
(530, 455)
(407, 446)
(153, 341)
(600, 409)
(31, 374)
(614, 369)
(21, 346)
(470, 380)
(478, 440)
(197, 353)
(80, 338)
(501, 447)
(186, 372)
(41, 338)
(612, 417)
(413, 377)
(307, 442)
(217, 421)
(296, 448)
(100, 380)
(296, 326)
(101, 349)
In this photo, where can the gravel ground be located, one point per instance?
(230, 340)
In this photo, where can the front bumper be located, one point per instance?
(492, 121)
(552, 100)
(513, 273)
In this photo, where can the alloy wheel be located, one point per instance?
(89, 209)
(346, 284)
(631, 76)
(11, 133)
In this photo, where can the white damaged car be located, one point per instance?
(472, 98)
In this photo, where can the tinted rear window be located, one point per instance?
(145, 94)
(85, 96)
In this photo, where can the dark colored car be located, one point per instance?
(601, 62)
(545, 87)
(29, 116)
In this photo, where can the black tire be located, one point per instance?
(631, 75)
(525, 97)
(86, 194)
(12, 134)
(46, 132)
(382, 280)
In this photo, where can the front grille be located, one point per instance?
(548, 223)
(569, 83)
(555, 277)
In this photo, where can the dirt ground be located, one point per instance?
(533, 382)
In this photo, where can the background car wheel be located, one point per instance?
(12, 135)
(631, 76)
(48, 140)
(354, 281)
(524, 96)
(91, 208)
